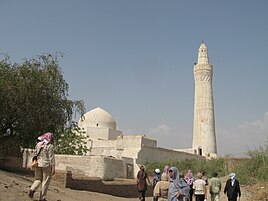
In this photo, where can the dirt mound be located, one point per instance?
(259, 191)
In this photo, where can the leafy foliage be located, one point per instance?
(256, 167)
(196, 165)
(34, 99)
(72, 141)
(248, 170)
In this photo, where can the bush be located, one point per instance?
(196, 165)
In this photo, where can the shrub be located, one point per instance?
(196, 165)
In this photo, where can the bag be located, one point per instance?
(34, 163)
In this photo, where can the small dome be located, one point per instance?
(98, 118)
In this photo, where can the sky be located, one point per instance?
(135, 60)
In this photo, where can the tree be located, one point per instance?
(34, 99)
(72, 141)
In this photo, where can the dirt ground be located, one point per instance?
(15, 187)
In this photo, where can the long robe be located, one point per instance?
(142, 184)
(173, 188)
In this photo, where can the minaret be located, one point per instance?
(204, 137)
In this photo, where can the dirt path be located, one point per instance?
(14, 187)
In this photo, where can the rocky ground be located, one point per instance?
(15, 187)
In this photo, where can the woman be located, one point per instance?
(184, 188)
(166, 168)
(190, 180)
(142, 183)
(232, 188)
(161, 188)
(46, 165)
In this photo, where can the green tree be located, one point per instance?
(34, 99)
(72, 141)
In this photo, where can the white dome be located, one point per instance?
(97, 118)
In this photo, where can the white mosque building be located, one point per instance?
(104, 140)
(113, 154)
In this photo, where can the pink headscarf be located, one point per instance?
(166, 168)
(189, 177)
(45, 139)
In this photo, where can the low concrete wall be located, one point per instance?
(105, 168)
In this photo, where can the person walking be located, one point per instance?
(189, 178)
(166, 168)
(46, 165)
(177, 190)
(173, 189)
(142, 179)
(161, 188)
(199, 186)
(184, 188)
(215, 187)
(232, 188)
(156, 178)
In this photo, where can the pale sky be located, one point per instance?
(135, 60)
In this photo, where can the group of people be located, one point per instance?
(173, 185)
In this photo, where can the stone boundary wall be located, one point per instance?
(106, 168)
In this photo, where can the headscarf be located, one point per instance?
(45, 139)
(175, 179)
(232, 177)
(166, 168)
(189, 177)
(143, 172)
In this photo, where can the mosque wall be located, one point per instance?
(158, 154)
(102, 133)
(137, 141)
(148, 142)
(104, 143)
(100, 151)
(131, 141)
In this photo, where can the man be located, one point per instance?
(46, 165)
(215, 187)
(232, 188)
(161, 188)
(200, 189)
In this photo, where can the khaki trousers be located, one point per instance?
(215, 197)
(42, 176)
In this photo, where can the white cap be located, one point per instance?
(157, 171)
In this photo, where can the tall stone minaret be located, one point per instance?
(204, 138)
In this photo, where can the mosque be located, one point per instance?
(115, 154)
